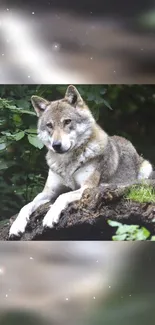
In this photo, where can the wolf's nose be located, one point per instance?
(56, 145)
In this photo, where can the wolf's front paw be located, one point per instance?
(19, 225)
(52, 217)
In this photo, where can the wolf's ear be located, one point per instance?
(39, 104)
(73, 96)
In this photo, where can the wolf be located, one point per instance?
(80, 155)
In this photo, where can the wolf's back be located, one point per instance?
(129, 161)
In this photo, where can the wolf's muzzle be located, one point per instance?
(57, 146)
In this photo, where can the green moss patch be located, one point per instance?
(141, 193)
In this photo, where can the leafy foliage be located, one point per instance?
(126, 232)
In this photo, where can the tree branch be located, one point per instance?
(87, 219)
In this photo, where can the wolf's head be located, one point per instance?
(65, 124)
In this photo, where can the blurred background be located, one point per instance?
(78, 42)
(58, 41)
(77, 283)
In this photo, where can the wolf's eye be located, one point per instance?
(66, 122)
(49, 125)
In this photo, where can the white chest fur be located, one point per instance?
(83, 174)
(73, 170)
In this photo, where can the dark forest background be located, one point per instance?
(127, 110)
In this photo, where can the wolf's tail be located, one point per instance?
(146, 171)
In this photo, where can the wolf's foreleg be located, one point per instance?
(52, 189)
(63, 200)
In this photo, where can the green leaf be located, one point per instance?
(11, 107)
(8, 134)
(3, 165)
(20, 110)
(98, 100)
(153, 238)
(127, 229)
(114, 223)
(31, 131)
(119, 237)
(2, 146)
(17, 119)
(18, 136)
(23, 103)
(107, 104)
(35, 141)
(129, 232)
(27, 112)
(2, 121)
(142, 234)
(2, 139)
